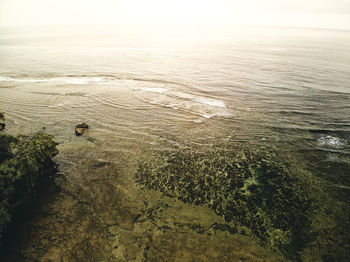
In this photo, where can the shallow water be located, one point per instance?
(287, 91)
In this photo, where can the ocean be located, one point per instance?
(145, 93)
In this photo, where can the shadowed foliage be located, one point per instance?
(24, 161)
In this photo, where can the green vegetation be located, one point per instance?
(259, 195)
(2, 119)
(24, 160)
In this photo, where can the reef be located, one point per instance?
(259, 194)
(25, 162)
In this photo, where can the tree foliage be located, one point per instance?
(24, 160)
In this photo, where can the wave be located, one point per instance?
(330, 141)
(200, 105)
(84, 80)
(159, 90)
(203, 100)
(187, 96)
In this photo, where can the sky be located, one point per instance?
(295, 13)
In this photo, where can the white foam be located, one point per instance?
(5, 79)
(201, 99)
(84, 80)
(206, 115)
(197, 121)
(330, 141)
(23, 80)
(210, 101)
(333, 157)
(159, 90)
(203, 106)
(76, 80)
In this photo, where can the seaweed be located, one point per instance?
(257, 193)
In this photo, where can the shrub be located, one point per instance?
(24, 161)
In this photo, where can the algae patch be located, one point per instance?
(258, 194)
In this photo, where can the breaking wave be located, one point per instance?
(200, 105)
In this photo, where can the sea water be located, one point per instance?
(285, 90)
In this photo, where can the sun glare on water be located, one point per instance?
(323, 13)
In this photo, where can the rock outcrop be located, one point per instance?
(80, 129)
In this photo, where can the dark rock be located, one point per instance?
(2, 126)
(82, 125)
(80, 129)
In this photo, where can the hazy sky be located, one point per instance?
(306, 13)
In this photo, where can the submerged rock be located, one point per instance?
(83, 125)
(80, 129)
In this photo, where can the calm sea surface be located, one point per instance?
(142, 92)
